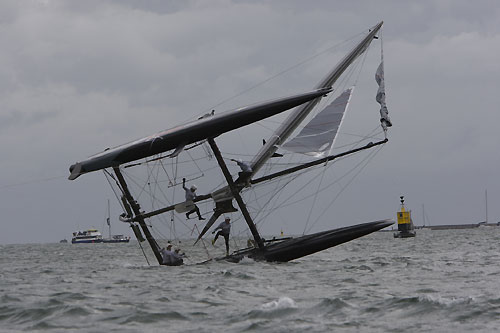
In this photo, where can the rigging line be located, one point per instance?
(144, 253)
(134, 181)
(159, 188)
(174, 167)
(282, 205)
(196, 164)
(31, 182)
(381, 36)
(141, 188)
(315, 198)
(367, 161)
(137, 180)
(162, 165)
(154, 159)
(365, 55)
(107, 175)
(374, 136)
(300, 63)
(275, 198)
(202, 240)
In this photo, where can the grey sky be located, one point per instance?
(77, 77)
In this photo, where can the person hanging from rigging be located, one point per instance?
(225, 229)
(245, 173)
(190, 196)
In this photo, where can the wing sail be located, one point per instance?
(318, 136)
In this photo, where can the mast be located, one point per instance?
(108, 220)
(298, 115)
(423, 214)
(486, 203)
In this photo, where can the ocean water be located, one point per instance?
(440, 281)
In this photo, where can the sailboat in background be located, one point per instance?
(315, 139)
(113, 238)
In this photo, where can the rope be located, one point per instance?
(367, 160)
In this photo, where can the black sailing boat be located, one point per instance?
(315, 139)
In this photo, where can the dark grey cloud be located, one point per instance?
(77, 77)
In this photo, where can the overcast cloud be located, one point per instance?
(79, 76)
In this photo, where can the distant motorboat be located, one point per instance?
(63, 241)
(87, 236)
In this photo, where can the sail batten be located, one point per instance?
(317, 137)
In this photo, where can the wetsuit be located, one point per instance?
(225, 229)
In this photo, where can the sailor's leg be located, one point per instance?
(190, 212)
(197, 210)
(226, 238)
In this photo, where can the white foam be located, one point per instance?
(281, 303)
(446, 301)
(246, 260)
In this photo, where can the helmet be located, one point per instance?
(193, 187)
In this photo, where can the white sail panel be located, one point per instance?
(317, 137)
(380, 97)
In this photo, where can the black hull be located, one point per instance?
(294, 248)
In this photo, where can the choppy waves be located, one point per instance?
(436, 282)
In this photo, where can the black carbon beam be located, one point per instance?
(235, 192)
(138, 216)
(315, 162)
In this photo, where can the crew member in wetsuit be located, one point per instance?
(190, 196)
(225, 229)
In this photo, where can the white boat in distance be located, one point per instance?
(87, 236)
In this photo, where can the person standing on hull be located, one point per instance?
(225, 229)
(190, 196)
(246, 171)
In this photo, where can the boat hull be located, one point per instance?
(83, 241)
(115, 240)
(294, 248)
(405, 234)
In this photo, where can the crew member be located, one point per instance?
(177, 258)
(225, 229)
(245, 173)
(166, 254)
(190, 196)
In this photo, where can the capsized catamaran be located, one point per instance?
(316, 139)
